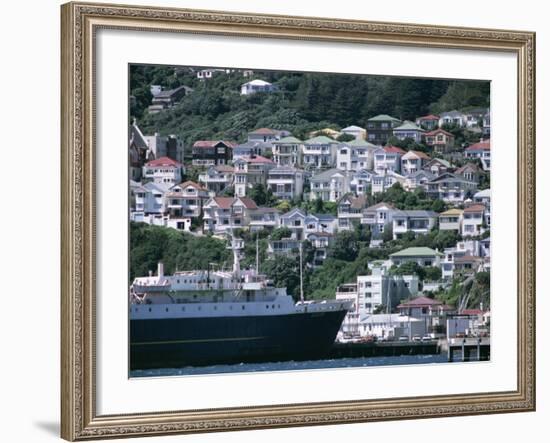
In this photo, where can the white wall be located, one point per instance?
(29, 372)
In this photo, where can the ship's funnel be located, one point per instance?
(160, 269)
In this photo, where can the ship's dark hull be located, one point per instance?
(173, 343)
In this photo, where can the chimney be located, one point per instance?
(160, 269)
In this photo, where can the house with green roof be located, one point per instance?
(409, 130)
(422, 255)
(319, 152)
(380, 128)
(287, 151)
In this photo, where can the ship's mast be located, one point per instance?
(257, 256)
(235, 246)
(301, 275)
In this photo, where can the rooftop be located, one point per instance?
(475, 208)
(408, 126)
(289, 140)
(319, 140)
(383, 118)
(164, 161)
(480, 146)
(421, 251)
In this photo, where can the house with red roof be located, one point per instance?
(428, 122)
(387, 159)
(251, 171)
(212, 152)
(221, 214)
(163, 170)
(440, 140)
(482, 151)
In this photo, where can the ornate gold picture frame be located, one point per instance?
(80, 22)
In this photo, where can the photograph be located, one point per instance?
(288, 220)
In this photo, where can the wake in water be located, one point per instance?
(293, 365)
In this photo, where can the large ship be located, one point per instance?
(207, 317)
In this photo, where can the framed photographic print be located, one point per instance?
(282, 221)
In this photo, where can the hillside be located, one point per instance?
(304, 101)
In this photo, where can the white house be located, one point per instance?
(361, 182)
(415, 221)
(221, 214)
(388, 158)
(413, 161)
(185, 200)
(455, 118)
(319, 152)
(164, 170)
(355, 131)
(257, 85)
(217, 178)
(482, 151)
(377, 217)
(287, 151)
(286, 182)
(484, 197)
(355, 155)
(149, 198)
(384, 181)
(330, 185)
(423, 256)
(380, 288)
(473, 222)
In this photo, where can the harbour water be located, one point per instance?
(294, 365)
